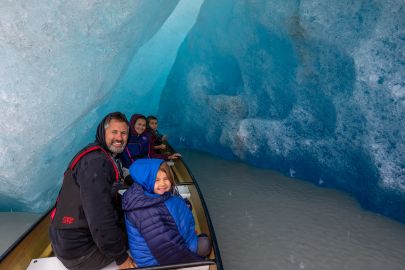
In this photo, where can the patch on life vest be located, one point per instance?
(67, 220)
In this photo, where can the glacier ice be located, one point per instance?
(60, 61)
(146, 74)
(314, 88)
(311, 88)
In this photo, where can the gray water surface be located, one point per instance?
(13, 225)
(264, 220)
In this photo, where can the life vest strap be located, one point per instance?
(93, 148)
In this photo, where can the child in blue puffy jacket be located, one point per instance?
(160, 225)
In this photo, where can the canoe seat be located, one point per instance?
(52, 263)
(184, 191)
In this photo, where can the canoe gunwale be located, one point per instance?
(209, 222)
(218, 259)
(178, 266)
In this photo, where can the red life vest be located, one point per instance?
(68, 210)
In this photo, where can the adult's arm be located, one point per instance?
(153, 154)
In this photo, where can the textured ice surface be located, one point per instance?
(59, 63)
(146, 75)
(312, 88)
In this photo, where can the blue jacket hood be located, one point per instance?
(144, 172)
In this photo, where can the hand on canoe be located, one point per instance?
(174, 156)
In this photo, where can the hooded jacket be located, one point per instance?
(86, 214)
(160, 228)
(155, 136)
(139, 145)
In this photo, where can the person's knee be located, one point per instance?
(204, 246)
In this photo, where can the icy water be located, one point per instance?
(264, 220)
(13, 225)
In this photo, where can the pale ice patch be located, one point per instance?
(292, 172)
(245, 135)
(252, 131)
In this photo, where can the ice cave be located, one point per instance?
(313, 89)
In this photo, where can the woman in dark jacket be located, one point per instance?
(140, 143)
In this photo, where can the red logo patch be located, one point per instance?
(67, 220)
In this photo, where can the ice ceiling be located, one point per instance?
(314, 89)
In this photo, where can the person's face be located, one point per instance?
(140, 125)
(162, 183)
(116, 136)
(153, 124)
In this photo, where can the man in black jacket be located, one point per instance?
(85, 231)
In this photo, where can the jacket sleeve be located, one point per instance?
(154, 154)
(138, 247)
(95, 177)
(152, 151)
(185, 222)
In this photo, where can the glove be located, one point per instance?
(128, 180)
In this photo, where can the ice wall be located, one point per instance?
(60, 61)
(312, 88)
(140, 87)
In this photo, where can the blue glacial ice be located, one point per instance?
(314, 89)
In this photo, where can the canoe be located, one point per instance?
(33, 249)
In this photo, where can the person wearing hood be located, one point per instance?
(157, 138)
(160, 225)
(140, 143)
(84, 230)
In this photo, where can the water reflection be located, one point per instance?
(13, 225)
